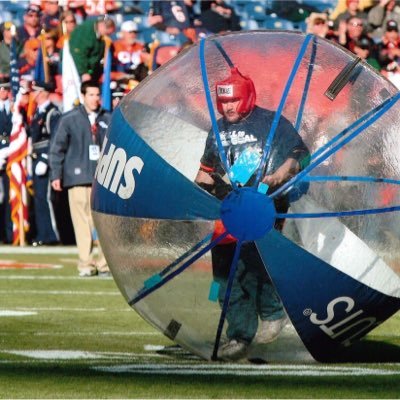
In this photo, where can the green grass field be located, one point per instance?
(68, 337)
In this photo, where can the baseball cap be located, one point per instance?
(33, 8)
(391, 25)
(5, 82)
(129, 26)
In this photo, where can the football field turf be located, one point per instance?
(68, 337)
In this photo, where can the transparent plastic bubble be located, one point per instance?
(335, 264)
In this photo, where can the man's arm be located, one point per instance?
(376, 14)
(204, 180)
(56, 185)
(58, 148)
(293, 155)
(286, 171)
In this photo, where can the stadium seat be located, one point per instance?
(146, 35)
(278, 23)
(256, 10)
(248, 24)
(164, 53)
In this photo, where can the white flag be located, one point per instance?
(71, 82)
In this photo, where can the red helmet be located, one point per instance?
(236, 87)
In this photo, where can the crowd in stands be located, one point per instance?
(141, 36)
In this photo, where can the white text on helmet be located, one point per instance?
(225, 90)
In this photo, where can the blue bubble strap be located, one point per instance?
(223, 52)
(352, 126)
(210, 106)
(156, 278)
(322, 157)
(366, 179)
(306, 85)
(155, 282)
(232, 273)
(339, 213)
(278, 113)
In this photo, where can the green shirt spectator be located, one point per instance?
(87, 44)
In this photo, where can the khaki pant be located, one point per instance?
(81, 215)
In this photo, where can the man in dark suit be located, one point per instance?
(42, 128)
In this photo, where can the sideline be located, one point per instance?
(7, 249)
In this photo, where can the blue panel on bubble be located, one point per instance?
(128, 174)
(328, 308)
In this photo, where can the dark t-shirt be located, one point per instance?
(174, 13)
(251, 133)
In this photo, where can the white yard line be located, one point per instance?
(39, 250)
(51, 277)
(245, 370)
(62, 292)
(13, 313)
(64, 333)
(57, 309)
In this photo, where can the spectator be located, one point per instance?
(68, 23)
(5, 45)
(41, 129)
(117, 94)
(6, 229)
(341, 6)
(317, 24)
(389, 48)
(74, 153)
(87, 46)
(220, 17)
(392, 72)
(351, 31)
(27, 61)
(92, 8)
(50, 18)
(363, 49)
(129, 54)
(52, 54)
(244, 124)
(30, 27)
(169, 16)
(352, 10)
(379, 16)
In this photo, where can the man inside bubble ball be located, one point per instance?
(243, 128)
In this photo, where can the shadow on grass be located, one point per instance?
(369, 351)
(365, 351)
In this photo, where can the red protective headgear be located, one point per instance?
(236, 87)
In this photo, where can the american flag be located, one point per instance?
(17, 162)
(17, 173)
